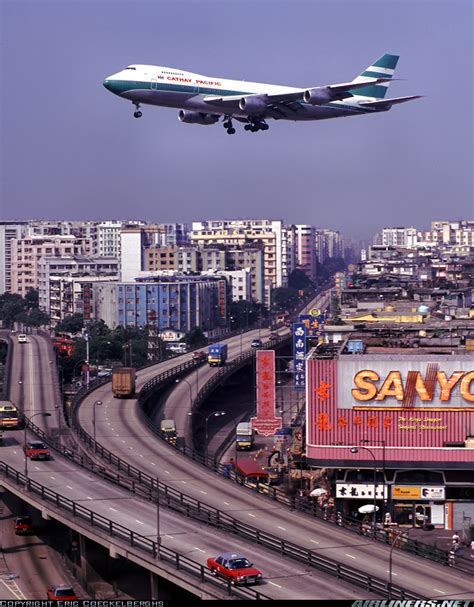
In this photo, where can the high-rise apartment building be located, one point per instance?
(306, 250)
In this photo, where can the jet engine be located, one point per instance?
(317, 96)
(253, 105)
(197, 117)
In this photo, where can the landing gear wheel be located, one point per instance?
(231, 131)
(254, 128)
(137, 114)
(265, 127)
(247, 127)
(227, 124)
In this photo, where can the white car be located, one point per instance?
(22, 339)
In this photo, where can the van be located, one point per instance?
(178, 348)
(168, 428)
(22, 339)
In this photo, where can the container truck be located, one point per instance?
(217, 355)
(244, 436)
(123, 382)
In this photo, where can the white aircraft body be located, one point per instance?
(204, 100)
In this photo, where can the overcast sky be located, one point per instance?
(72, 150)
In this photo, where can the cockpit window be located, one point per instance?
(130, 68)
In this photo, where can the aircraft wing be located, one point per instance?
(387, 103)
(332, 92)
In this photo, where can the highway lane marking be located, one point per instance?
(437, 590)
(139, 522)
(89, 497)
(315, 542)
(141, 454)
(388, 571)
(36, 468)
(273, 584)
(170, 536)
(53, 477)
(201, 491)
(196, 548)
(69, 487)
(227, 503)
(350, 555)
(252, 515)
(113, 509)
(184, 482)
(282, 528)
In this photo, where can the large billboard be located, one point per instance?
(406, 404)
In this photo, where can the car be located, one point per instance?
(23, 525)
(256, 343)
(35, 449)
(21, 339)
(274, 336)
(235, 567)
(61, 593)
(199, 356)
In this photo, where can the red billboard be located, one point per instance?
(266, 422)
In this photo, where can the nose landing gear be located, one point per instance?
(137, 113)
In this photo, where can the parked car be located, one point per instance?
(23, 525)
(199, 356)
(21, 339)
(35, 449)
(61, 593)
(235, 568)
(256, 343)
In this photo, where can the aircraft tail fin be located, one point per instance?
(384, 67)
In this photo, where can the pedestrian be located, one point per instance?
(472, 549)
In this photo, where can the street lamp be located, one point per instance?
(383, 443)
(397, 535)
(206, 420)
(97, 402)
(27, 421)
(190, 389)
(158, 536)
(356, 450)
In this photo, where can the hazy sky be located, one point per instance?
(72, 150)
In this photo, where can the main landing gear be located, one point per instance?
(228, 125)
(137, 112)
(256, 125)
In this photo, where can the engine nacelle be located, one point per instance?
(253, 105)
(317, 96)
(197, 117)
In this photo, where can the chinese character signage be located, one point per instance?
(314, 324)
(266, 422)
(299, 353)
(361, 491)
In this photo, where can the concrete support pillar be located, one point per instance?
(154, 586)
(83, 564)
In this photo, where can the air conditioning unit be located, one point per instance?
(469, 442)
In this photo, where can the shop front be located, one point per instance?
(418, 505)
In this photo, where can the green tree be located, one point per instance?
(36, 318)
(12, 307)
(32, 298)
(284, 298)
(298, 280)
(70, 324)
(195, 338)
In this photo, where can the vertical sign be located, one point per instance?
(266, 422)
(299, 353)
(314, 324)
(86, 298)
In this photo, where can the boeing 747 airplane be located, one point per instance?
(204, 100)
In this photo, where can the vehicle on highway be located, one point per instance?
(217, 355)
(199, 356)
(9, 417)
(36, 450)
(235, 568)
(61, 593)
(244, 436)
(23, 525)
(168, 427)
(248, 470)
(256, 343)
(22, 339)
(123, 382)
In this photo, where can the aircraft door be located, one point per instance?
(154, 84)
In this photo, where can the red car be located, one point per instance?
(235, 568)
(23, 525)
(200, 356)
(61, 593)
(35, 449)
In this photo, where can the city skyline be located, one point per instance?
(73, 152)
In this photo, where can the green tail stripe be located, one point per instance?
(389, 61)
(373, 74)
(375, 90)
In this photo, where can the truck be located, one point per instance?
(217, 355)
(168, 428)
(123, 382)
(244, 436)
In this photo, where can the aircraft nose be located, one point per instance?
(108, 83)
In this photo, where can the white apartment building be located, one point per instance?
(306, 249)
(239, 282)
(10, 231)
(400, 237)
(107, 241)
(26, 253)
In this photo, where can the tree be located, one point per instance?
(12, 306)
(298, 280)
(195, 338)
(32, 299)
(284, 298)
(36, 318)
(70, 324)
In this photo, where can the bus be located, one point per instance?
(9, 417)
(248, 470)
